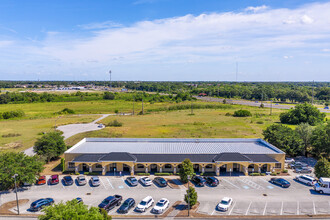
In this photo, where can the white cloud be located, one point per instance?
(256, 9)
(205, 38)
(102, 25)
(326, 50)
(5, 43)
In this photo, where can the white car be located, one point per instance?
(161, 206)
(146, 181)
(310, 181)
(95, 181)
(289, 160)
(146, 203)
(225, 203)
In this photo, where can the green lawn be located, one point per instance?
(205, 123)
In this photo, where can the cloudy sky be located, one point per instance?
(270, 40)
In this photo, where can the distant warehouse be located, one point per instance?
(134, 155)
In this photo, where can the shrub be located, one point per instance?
(273, 174)
(115, 123)
(63, 164)
(254, 174)
(11, 114)
(263, 174)
(302, 113)
(242, 113)
(278, 173)
(86, 173)
(262, 105)
(227, 114)
(116, 111)
(77, 173)
(66, 111)
(208, 174)
(142, 174)
(285, 171)
(260, 122)
(322, 168)
(10, 135)
(163, 174)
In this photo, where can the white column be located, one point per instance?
(146, 169)
(174, 170)
(160, 169)
(76, 169)
(203, 169)
(90, 168)
(103, 170)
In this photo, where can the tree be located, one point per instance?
(187, 169)
(50, 145)
(304, 131)
(109, 96)
(26, 167)
(302, 113)
(192, 195)
(322, 168)
(72, 210)
(242, 113)
(320, 140)
(284, 138)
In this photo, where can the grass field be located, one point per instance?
(205, 123)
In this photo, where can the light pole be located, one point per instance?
(110, 79)
(188, 194)
(15, 175)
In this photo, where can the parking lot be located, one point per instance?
(251, 196)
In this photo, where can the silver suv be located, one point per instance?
(306, 179)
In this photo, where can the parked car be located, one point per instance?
(41, 203)
(54, 179)
(289, 160)
(306, 179)
(146, 203)
(146, 181)
(225, 203)
(198, 180)
(132, 181)
(211, 180)
(303, 170)
(95, 181)
(161, 206)
(79, 199)
(323, 186)
(68, 181)
(161, 181)
(293, 165)
(126, 206)
(41, 180)
(281, 182)
(110, 202)
(100, 126)
(81, 180)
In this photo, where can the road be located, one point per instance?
(251, 103)
(73, 129)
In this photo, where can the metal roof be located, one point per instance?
(173, 146)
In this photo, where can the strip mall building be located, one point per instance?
(134, 155)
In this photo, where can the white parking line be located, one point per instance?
(213, 212)
(230, 183)
(247, 211)
(265, 209)
(297, 208)
(232, 208)
(109, 183)
(314, 208)
(103, 183)
(281, 209)
(125, 183)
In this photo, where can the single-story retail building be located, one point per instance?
(153, 155)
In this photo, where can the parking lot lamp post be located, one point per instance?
(188, 196)
(15, 175)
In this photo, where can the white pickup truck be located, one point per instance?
(323, 186)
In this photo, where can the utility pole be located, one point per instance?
(110, 78)
(15, 175)
(313, 93)
(142, 108)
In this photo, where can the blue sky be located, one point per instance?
(278, 40)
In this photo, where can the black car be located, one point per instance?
(198, 180)
(281, 182)
(39, 204)
(132, 181)
(212, 181)
(110, 202)
(126, 206)
(68, 181)
(161, 181)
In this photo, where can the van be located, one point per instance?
(323, 186)
(306, 179)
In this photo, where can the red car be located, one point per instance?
(41, 180)
(54, 179)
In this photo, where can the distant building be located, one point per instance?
(134, 155)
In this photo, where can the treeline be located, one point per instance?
(29, 97)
